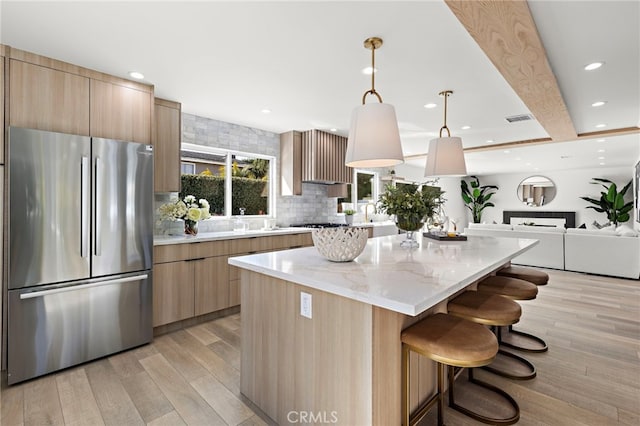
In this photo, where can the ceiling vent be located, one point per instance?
(521, 117)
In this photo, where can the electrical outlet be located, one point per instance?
(305, 304)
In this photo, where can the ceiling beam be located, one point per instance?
(507, 34)
(529, 142)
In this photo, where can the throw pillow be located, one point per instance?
(626, 231)
(608, 228)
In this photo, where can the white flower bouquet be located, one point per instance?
(188, 209)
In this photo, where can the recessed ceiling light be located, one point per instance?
(536, 168)
(527, 164)
(489, 141)
(602, 164)
(137, 75)
(593, 66)
(266, 111)
(601, 150)
(369, 70)
(599, 103)
(518, 158)
(506, 151)
(466, 127)
(432, 105)
(333, 130)
(601, 140)
(600, 126)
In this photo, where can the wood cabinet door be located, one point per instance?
(45, 99)
(2, 109)
(211, 284)
(120, 112)
(166, 147)
(172, 292)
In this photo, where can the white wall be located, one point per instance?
(570, 185)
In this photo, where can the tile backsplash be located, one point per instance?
(312, 206)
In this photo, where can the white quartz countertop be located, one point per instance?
(224, 235)
(408, 281)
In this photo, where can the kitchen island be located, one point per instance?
(342, 365)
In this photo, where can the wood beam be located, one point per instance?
(506, 32)
(528, 142)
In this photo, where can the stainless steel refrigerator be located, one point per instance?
(80, 233)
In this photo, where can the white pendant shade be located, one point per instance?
(374, 138)
(445, 158)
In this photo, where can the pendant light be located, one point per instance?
(445, 157)
(374, 138)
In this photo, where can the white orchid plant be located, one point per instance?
(188, 209)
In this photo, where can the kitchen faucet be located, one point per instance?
(366, 211)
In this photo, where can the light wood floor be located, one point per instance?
(589, 376)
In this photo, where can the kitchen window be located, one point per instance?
(365, 192)
(230, 180)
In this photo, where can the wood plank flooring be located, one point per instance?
(589, 376)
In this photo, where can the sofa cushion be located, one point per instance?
(491, 226)
(626, 231)
(527, 228)
(591, 231)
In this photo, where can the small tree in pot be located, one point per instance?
(611, 201)
(477, 197)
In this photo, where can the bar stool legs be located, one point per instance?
(451, 342)
(542, 348)
(484, 419)
(521, 360)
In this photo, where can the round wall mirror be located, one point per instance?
(536, 191)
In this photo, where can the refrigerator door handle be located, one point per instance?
(82, 287)
(96, 210)
(84, 211)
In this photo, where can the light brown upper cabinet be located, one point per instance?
(2, 105)
(47, 99)
(120, 112)
(166, 146)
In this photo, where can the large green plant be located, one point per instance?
(477, 197)
(611, 201)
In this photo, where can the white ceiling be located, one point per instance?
(303, 60)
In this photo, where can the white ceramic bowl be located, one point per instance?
(342, 244)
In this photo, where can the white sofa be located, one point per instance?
(602, 252)
(597, 251)
(548, 253)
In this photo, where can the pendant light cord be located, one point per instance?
(446, 94)
(373, 45)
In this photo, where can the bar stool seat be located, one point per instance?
(528, 274)
(516, 289)
(495, 311)
(449, 341)
(513, 288)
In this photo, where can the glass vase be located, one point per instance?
(410, 226)
(191, 227)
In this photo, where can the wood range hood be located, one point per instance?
(312, 156)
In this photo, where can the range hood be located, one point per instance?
(312, 156)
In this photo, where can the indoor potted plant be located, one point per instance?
(411, 207)
(348, 216)
(611, 201)
(477, 197)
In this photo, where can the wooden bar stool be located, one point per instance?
(516, 289)
(528, 274)
(494, 311)
(449, 341)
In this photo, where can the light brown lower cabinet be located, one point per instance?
(194, 279)
(211, 285)
(172, 292)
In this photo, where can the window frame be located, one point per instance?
(229, 154)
